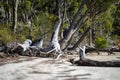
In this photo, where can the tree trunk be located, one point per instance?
(54, 43)
(65, 17)
(26, 17)
(9, 16)
(81, 38)
(56, 31)
(7, 12)
(73, 26)
(57, 7)
(72, 29)
(54, 39)
(88, 62)
(90, 37)
(15, 5)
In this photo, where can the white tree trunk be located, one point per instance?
(82, 52)
(26, 44)
(54, 39)
(38, 44)
(15, 15)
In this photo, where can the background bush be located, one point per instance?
(101, 42)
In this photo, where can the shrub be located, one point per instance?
(6, 36)
(101, 42)
(116, 39)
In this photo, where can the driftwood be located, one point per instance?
(40, 53)
(109, 50)
(9, 48)
(88, 62)
(26, 44)
(16, 48)
(25, 49)
(37, 44)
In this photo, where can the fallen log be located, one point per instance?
(88, 62)
(109, 50)
(39, 53)
(25, 45)
(16, 48)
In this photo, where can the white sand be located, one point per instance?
(50, 69)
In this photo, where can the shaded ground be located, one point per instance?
(30, 68)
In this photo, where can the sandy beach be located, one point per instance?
(61, 69)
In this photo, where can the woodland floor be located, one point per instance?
(36, 68)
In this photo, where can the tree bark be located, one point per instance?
(65, 17)
(38, 44)
(90, 37)
(7, 12)
(73, 26)
(15, 6)
(80, 39)
(88, 62)
(54, 43)
(54, 39)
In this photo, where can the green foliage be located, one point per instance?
(116, 25)
(104, 22)
(43, 23)
(73, 7)
(20, 37)
(6, 35)
(27, 5)
(107, 22)
(116, 39)
(42, 14)
(65, 24)
(25, 32)
(99, 6)
(101, 42)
